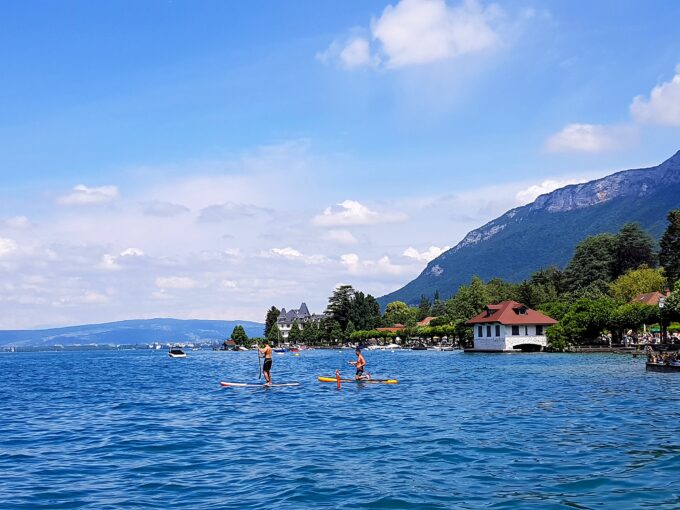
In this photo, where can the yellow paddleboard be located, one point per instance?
(369, 381)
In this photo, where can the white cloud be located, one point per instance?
(351, 212)
(84, 195)
(109, 262)
(293, 254)
(287, 253)
(588, 138)
(132, 252)
(528, 195)
(423, 31)
(18, 222)
(663, 105)
(176, 282)
(93, 298)
(7, 246)
(414, 32)
(357, 53)
(425, 256)
(382, 266)
(340, 237)
(228, 284)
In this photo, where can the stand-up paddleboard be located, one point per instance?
(257, 385)
(367, 381)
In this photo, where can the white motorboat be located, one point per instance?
(176, 352)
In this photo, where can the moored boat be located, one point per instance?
(662, 367)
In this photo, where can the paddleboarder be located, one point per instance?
(266, 353)
(360, 363)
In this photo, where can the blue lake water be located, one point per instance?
(136, 429)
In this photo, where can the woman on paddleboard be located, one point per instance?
(266, 353)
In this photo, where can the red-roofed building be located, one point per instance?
(510, 326)
(650, 298)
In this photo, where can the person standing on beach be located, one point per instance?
(360, 363)
(266, 353)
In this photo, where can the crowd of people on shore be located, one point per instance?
(662, 358)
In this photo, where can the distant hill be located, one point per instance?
(546, 231)
(142, 331)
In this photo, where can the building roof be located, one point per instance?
(511, 313)
(650, 298)
(426, 321)
(391, 330)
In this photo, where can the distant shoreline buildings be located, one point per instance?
(300, 315)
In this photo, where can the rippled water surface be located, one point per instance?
(136, 429)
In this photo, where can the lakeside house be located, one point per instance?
(651, 298)
(509, 326)
(300, 315)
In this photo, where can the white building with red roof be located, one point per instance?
(510, 326)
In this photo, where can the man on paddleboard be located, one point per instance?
(266, 353)
(360, 363)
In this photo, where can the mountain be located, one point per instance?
(546, 231)
(130, 332)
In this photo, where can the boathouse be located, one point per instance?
(509, 326)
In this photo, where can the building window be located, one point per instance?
(526, 330)
(488, 331)
(515, 330)
(539, 330)
(498, 330)
(479, 331)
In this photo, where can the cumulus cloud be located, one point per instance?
(176, 282)
(424, 256)
(18, 222)
(663, 105)
(109, 262)
(84, 195)
(164, 209)
(351, 212)
(339, 236)
(588, 138)
(132, 252)
(228, 284)
(93, 298)
(293, 254)
(414, 32)
(355, 265)
(7, 246)
(528, 195)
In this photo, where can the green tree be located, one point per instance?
(424, 308)
(634, 248)
(593, 263)
(335, 332)
(309, 332)
(272, 316)
(586, 320)
(239, 335)
(637, 281)
(349, 330)
(468, 301)
(364, 311)
(499, 290)
(340, 304)
(295, 334)
(397, 312)
(274, 335)
(669, 254)
(438, 306)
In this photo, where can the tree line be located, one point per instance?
(590, 295)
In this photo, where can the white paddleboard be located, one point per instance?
(257, 385)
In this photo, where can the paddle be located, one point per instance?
(259, 363)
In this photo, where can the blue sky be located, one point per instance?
(212, 142)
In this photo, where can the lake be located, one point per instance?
(136, 429)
